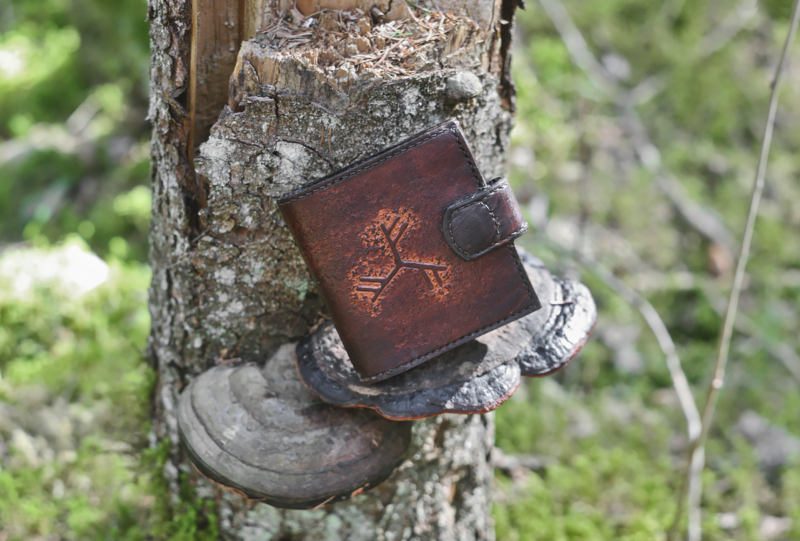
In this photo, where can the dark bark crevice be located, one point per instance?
(507, 89)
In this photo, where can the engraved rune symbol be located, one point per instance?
(399, 263)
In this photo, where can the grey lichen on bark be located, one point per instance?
(229, 283)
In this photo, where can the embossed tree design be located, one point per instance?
(400, 263)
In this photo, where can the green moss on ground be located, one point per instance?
(74, 403)
(74, 454)
(608, 428)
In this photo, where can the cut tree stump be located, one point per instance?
(304, 100)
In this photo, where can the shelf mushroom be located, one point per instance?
(476, 377)
(558, 331)
(260, 433)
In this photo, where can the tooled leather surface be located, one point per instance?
(371, 236)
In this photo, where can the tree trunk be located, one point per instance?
(228, 282)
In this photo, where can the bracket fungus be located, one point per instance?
(560, 328)
(258, 432)
(476, 377)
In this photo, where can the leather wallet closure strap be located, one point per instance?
(488, 219)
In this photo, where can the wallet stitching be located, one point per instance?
(475, 174)
(522, 273)
(496, 324)
(495, 220)
(368, 166)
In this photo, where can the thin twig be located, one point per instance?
(693, 482)
(584, 59)
(577, 47)
(700, 218)
(656, 324)
(782, 352)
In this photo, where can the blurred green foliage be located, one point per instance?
(74, 385)
(710, 68)
(55, 52)
(598, 489)
(72, 372)
(75, 391)
(73, 97)
(74, 168)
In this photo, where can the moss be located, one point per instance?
(78, 466)
(191, 518)
(81, 360)
(598, 489)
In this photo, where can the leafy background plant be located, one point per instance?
(606, 433)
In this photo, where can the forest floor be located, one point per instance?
(636, 150)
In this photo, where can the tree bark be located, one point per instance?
(228, 282)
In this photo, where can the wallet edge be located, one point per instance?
(453, 126)
(535, 305)
(386, 154)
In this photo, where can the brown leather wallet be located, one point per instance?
(412, 251)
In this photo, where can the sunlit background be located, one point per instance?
(636, 151)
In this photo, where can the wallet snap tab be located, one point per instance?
(486, 220)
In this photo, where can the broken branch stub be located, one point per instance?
(259, 433)
(346, 54)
